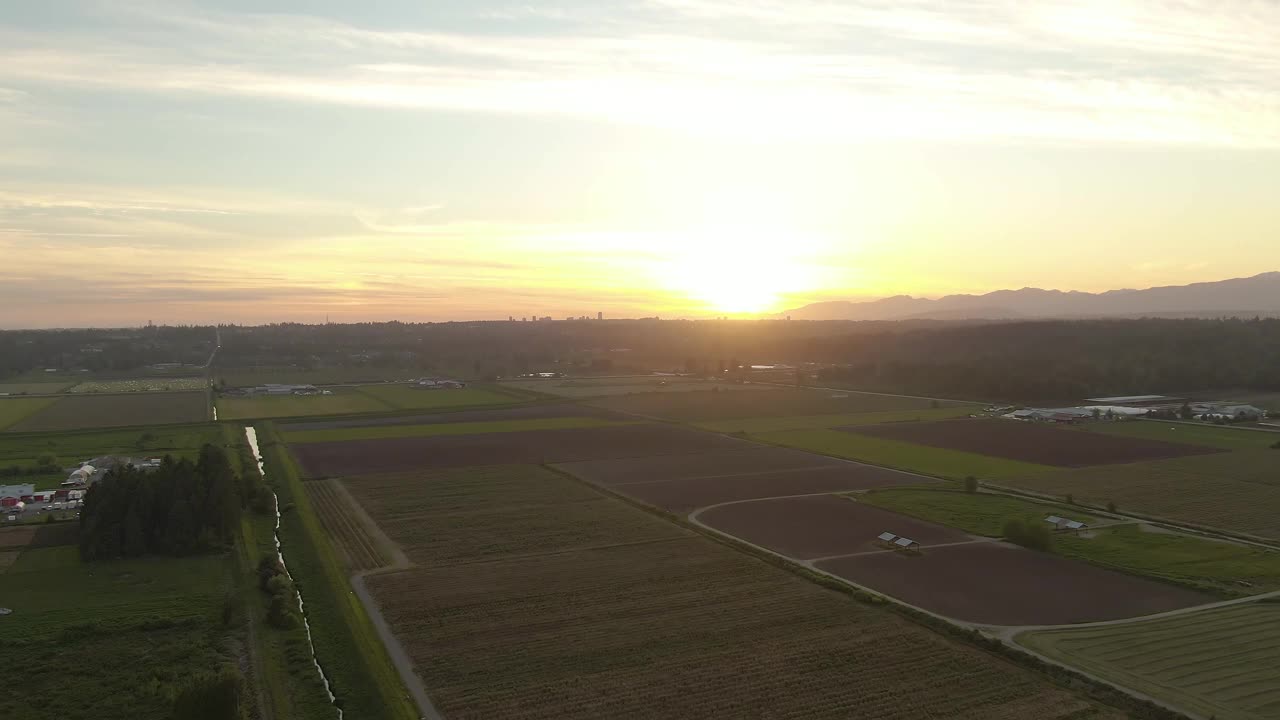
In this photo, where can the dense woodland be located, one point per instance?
(180, 508)
(105, 351)
(1037, 360)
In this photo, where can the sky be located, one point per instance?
(252, 161)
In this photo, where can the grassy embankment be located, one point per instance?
(347, 646)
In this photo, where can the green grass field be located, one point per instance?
(404, 397)
(1211, 435)
(1236, 491)
(815, 422)
(14, 410)
(903, 456)
(248, 377)
(75, 412)
(467, 428)
(344, 401)
(605, 387)
(1224, 568)
(71, 447)
(705, 406)
(33, 388)
(977, 513)
(109, 640)
(1222, 663)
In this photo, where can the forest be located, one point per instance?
(180, 508)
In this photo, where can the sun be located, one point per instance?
(740, 271)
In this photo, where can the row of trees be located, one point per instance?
(180, 508)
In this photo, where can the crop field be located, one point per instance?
(683, 495)
(125, 634)
(977, 513)
(1225, 438)
(360, 549)
(518, 609)
(1031, 442)
(605, 387)
(1222, 567)
(464, 428)
(14, 410)
(251, 376)
(820, 526)
(352, 457)
(1220, 663)
(740, 458)
(69, 447)
(74, 412)
(1237, 491)
(405, 397)
(998, 584)
(505, 414)
(707, 406)
(152, 384)
(811, 422)
(342, 401)
(904, 456)
(32, 388)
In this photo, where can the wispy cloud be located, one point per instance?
(1147, 72)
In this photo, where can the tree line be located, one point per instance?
(179, 508)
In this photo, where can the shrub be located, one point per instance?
(1031, 534)
(971, 484)
(210, 696)
(1111, 506)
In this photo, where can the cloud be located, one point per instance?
(1137, 72)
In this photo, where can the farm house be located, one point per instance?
(16, 491)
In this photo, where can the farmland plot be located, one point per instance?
(1220, 663)
(1237, 491)
(14, 410)
(74, 412)
(359, 547)
(707, 406)
(637, 618)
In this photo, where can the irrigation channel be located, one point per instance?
(251, 435)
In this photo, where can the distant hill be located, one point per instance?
(1240, 297)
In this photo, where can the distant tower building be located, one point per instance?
(600, 316)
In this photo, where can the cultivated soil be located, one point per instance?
(741, 458)
(532, 412)
(820, 526)
(1000, 584)
(353, 457)
(1031, 442)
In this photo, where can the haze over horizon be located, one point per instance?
(254, 162)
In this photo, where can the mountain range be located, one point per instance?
(1239, 297)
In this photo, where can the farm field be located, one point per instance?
(1220, 663)
(249, 377)
(1209, 435)
(977, 513)
(405, 397)
(33, 388)
(433, 429)
(810, 422)
(605, 387)
(1236, 491)
(995, 583)
(360, 549)
(1221, 567)
(739, 458)
(510, 624)
(14, 410)
(130, 632)
(904, 456)
(74, 412)
(354, 457)
(806, 528)
(504, 414)
(68, 448)
(684, 495)
(152, 384)
(1030, 442)
(773, 402)
(342, 401)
